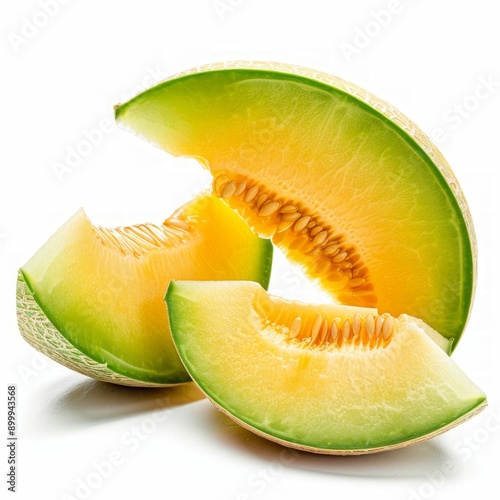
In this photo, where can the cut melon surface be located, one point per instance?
(327, 379)
(92, 298)
(341, 181)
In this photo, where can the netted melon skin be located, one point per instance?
(41, 334)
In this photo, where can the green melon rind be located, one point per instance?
(41, 334)
(340, 452)
(407, 126)
(265, 265)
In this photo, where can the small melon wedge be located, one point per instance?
(341, 181)
(92, 298)
(326, 379)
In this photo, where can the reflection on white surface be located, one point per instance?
(73, 403)
(69, 404)
(104, 438)
(410, 462)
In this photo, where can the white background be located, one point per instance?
(61, 75)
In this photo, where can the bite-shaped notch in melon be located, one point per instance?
(92, 298)
(340, 180)
(327, 379)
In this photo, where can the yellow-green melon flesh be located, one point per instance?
(379, 383)
(381, 219)
(92, 298)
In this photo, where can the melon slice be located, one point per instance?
(327, 379)
(341, 181)
(92, 298)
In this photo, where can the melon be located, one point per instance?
(328, 379)
(341, 181)
(92, 298)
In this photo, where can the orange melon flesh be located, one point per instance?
(370, 383)
(103, 289)
(342, 182)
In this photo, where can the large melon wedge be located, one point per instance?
(326, 379)
(341, 181)
(92, 298)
